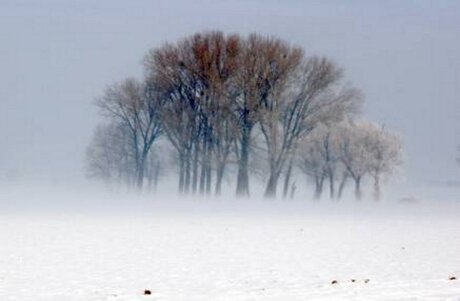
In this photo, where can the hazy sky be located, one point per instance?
(57, 56)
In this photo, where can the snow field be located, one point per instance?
(227, 254)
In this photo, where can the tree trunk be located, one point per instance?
(181, 173)
(270, 190)
(242, 182)
(149, 178)
(203, 169)
(141, 170)
(187, 171)
(331, 185)
(219, 177)
(293, 189)
(318, 187)
(341, 187)
(156, 176)
(140, 177)
(377, 192)
(287, 180)
(208, 168)
(196, 150)
(358, 192)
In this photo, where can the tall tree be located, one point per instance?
(265, 66)
(196, 76)
(135, 105)
(313, 95)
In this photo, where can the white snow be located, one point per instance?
(224, 250)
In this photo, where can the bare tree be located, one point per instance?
(264, 67)
(135, 106)
(109, 156)
(196, 77)
(313, 95)
(312, 164)
(320, 157)
(342, 151)
(385, 149)
(180, 125)
(216, 57)
(354, 154)
(368, 149)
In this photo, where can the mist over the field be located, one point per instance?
(104, 199)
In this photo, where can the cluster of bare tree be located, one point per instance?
(223, 103)
(350, 150)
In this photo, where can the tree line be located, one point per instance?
(235, 106)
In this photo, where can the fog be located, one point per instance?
(56, 57)
(65, 236)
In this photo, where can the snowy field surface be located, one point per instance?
(224, 250)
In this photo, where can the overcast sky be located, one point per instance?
(57, 56)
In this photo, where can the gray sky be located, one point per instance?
(57, 56)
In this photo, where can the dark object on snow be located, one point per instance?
(353, 280)
(147, 292)
(453, 278)
(334, 282)
(366, 280)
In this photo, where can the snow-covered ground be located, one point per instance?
(227, 250)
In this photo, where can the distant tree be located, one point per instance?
(313, 95)
(320, 157)
(350, 149)
(109, 156)
(368, 149)
(385, 149)
(135, 106)
(354, 154)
